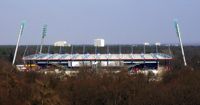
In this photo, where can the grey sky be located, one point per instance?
(117, 21)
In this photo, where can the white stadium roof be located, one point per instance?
(85, 57)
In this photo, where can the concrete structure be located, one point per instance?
(61, 43)
(99, 42)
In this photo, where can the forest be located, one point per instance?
(179, 86)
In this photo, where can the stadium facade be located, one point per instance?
(133, 61)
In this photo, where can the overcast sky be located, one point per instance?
(116, 21)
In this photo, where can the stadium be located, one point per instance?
(132, 61)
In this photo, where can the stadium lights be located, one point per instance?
(157, 44)
(44, 33)
(179, 36)
(19, 37)
(145, 44)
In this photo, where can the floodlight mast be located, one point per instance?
(44, 32)
(145, 44)
(157, 44)
(179, 36)
(19, 37)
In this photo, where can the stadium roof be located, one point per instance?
(82, 57)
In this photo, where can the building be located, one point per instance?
(61, 43)
(133, 61)
(99, 42)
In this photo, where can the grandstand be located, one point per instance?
(141, 61)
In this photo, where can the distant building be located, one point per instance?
(99, 42)
(61, 43)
